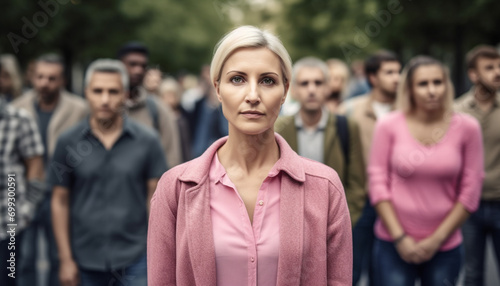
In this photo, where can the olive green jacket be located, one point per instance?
(353, 176)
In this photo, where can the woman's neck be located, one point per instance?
(249, 153)
(427, 117)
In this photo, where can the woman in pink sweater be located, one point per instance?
(250, 211)
(425, 174)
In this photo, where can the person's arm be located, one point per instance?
(405, 244)
(34, 168)
(469, 189)
(356, 174)
(427, 247)
(156, 166)
(68, 270)
(152, 184)
(339, 238)
(161, 243)
(381, 194)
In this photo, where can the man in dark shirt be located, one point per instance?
(104, 172)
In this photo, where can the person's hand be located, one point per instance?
(68, 273)
(407, 249)
(427, 248)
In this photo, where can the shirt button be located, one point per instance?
(261, 203)
(252, 259)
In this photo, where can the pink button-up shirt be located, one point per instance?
(245, 253)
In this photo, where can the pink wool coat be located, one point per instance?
(315, 228)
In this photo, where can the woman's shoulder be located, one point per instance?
(466, 121)
(317, 172)
(394, 120)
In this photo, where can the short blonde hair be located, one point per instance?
(249, 37)
(404, 99)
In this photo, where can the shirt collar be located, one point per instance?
(218, 172)
(127, 127)
(289, 162)
(321, 124)
(471, 100)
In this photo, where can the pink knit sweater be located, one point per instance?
(424, 182)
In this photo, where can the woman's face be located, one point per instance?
(429, 88)
(251, 90)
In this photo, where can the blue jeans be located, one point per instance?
(133, 275)
(28, 267)
(389, 269)
(481, 224)
(362, 244)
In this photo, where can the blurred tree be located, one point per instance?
(78, 30)
(180, 34)
(354, 28)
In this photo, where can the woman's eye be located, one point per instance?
(268, 81)
(237, 79)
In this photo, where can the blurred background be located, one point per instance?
(181, 34)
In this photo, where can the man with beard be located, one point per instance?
(55, 110)
(104, 172)
(382, 71)
(483, 102)
(145, 107)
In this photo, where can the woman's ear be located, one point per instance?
(217, 90)
(287, 86)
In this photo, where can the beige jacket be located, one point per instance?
(168, 131)
(70, 109)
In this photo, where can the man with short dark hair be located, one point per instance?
(146, 108)
(382, 71)
(483, 102)
(104, 172)
(317, 134)
(55, 110)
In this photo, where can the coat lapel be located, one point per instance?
(200, 236)
(330, 133)
(291, 231)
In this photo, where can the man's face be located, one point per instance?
(136, 64)
(486, 73)
(105, 95)
(48, 80)
(310, 88)
(387, 78)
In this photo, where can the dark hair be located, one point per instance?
(132, 47)
(482, 51)
(374, 62)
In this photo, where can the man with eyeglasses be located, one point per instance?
(317, 134)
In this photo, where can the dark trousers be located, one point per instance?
(362, 245)
(132, 275)
(390, 269)
(41, 225)
(484, 223)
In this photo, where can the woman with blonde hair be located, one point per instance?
(425, 175)
(11, 85)
(250, 211)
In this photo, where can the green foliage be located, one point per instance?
(180, 34)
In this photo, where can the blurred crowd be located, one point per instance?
(347, 116)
